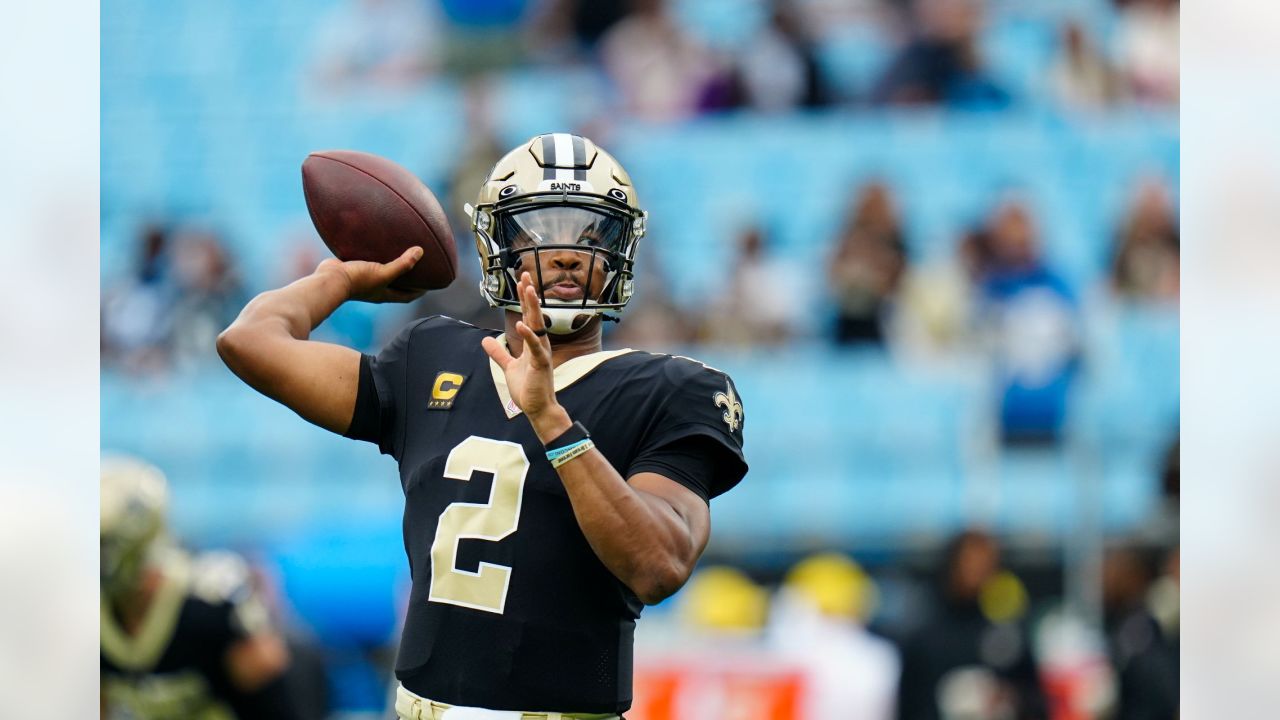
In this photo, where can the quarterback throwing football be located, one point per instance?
(551, 489)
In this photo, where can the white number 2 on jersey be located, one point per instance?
(485, 589)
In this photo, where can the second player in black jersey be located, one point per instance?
(552, 489)
(184, 637)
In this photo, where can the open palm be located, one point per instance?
(529, 376)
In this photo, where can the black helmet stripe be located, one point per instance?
(548, 157)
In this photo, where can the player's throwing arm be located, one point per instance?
(268, 347)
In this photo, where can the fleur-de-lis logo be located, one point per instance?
(732, 408)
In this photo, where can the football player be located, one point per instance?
(551, 489)
(182, 637)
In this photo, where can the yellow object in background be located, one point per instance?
(1003, 598)
(835, 584)
(722, 598)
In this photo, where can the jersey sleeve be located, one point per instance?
(690, 461)
(379, 414)
(696, 436)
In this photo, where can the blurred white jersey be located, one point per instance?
(852, 673)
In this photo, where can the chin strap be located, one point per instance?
(565, 320)
(562, 321)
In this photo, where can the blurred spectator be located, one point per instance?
(932, 317)
(480, 153)
(778, 70)
(818, 621)
(1146, 262)
(578, 23)
(760, 302)
(483, 35)
(303, 251)
(137, 314)
(972, 659)
(659, 70)
(1030, 319)
(867, 266)
(656, 323)
(1147, 49)
(376, 43)
(1160, 526)
(461, 300)
(592, 18)
(1082, 77)
(652, 319)
(210, 294)
(1144, 652)
(1164, 598)
(1170, 472)
(941, 64)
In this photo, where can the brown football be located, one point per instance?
(366, 207)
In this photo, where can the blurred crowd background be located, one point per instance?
(935, 242)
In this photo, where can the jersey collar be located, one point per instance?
(564, 375)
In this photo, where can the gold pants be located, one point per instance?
(412, 707)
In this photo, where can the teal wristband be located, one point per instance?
(565, 454)
(553, 455)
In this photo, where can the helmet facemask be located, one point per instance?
(520, 232)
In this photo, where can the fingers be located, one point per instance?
(494, 350)
(532, 329)
(522, 293)
(536, 345)
(405, 262)
(531, 303)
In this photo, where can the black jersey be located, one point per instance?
(510, 607)
(174, 666)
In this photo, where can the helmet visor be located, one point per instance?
(561, 225)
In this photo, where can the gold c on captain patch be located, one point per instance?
(444, 389)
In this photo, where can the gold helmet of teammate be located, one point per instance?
(558, 192)
(834, 584)
(134, 497)
(724, 599)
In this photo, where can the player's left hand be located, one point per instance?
(529, 377)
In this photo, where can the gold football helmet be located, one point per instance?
(558, 192)
(134, 498)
